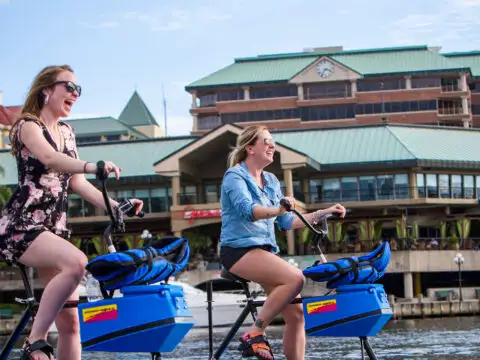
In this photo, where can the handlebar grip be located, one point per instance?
(286, 204)
(101, 174)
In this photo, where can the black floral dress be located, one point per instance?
(39, 203)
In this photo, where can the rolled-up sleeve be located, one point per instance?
(236, 189)
(285, 221)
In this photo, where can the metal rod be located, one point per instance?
(210, 320)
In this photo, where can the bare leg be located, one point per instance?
(294, 339)
(52, 253)
(271, 272)
(67, 322)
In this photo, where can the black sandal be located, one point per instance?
(253, 345)
(39, 345)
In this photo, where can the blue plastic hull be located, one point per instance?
(148, 318)
(354, 311)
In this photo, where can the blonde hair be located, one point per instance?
(247, 137)
(36, 98)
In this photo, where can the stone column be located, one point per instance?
(195, 122)
(175, 189)
(291, 242)
(408, 82)
(246, 93)
(194, 100)
(287, 178)
(300, 92)
(353, 84)
(462, 82)
(465, 107)
(408, 285)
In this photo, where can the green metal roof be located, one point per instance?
(469, 59)
(247, 72)
(136, 158)
(101, 126)
(368, 62)
(386, 143)
(136, 113)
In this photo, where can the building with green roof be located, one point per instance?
(326, 87)
(135, 122)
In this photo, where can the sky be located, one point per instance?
(118, 46)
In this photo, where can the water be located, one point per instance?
(425, 339)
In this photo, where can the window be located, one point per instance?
(401, 186)
(160, 202)
(380, 85)
(421, 83)
(273, 92)
(331, 190)
(468, 187)
(209, 122)
(315, 190)
(142, 194)
(263, 115)
(349, 189)
(207, 100)
(75, 208)
(367, 188)
(328, 112)
(421, 185)
(384, 187)
(432, 186)
(457, 190)
(444, 185)
(230, 95)
(212, 194)
(394, 107)
(327, 90)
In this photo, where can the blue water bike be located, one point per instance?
(352, 307)
(140, 312)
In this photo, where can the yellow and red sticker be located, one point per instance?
(324, 306)
(100, 313)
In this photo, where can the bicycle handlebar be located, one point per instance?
(320, 234)
(125, 207)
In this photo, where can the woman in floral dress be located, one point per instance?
(33, 224)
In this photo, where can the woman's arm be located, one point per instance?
(315, 217)
(31, 135)
(88, 192)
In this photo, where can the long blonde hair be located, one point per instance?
(36, 98)
(247, 137)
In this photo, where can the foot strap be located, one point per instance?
(255, 345)
(39, 345)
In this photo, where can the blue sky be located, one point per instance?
(117, 46)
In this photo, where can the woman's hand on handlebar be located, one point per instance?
(110, 167)
(336, 209)
(291, 201)
(138, 205)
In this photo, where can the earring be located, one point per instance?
(46, 99)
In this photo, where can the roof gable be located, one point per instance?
(101, 126)
(136, 112)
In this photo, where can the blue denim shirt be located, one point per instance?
(240, 194)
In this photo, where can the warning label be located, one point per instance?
(319, 307)
(100, 313)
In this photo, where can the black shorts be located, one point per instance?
(229, 256)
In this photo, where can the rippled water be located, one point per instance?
(425, 339)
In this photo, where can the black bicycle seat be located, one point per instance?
(232, 277)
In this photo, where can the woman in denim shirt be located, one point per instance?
(250, 202)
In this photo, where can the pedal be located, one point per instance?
(28, 301)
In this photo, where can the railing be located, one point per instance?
(194, 198)
(451, 110)
(450, 87)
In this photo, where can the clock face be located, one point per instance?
(325, 69)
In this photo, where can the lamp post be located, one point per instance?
(459, 259)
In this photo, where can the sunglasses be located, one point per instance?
(269, 142)
(70, 86)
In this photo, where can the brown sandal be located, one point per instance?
(39, 345)
(254, 345)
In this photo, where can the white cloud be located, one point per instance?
(452, 20)
(176, 18)
(101, 25)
